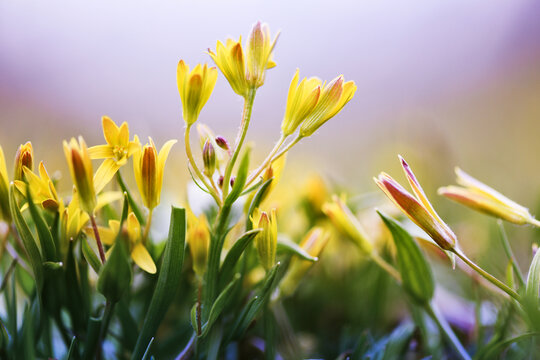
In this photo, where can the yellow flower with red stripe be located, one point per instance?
(417, 207)
(195, 88)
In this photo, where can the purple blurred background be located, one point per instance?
(443, 83)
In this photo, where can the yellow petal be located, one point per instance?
(162, 158)
(101, 152)
(110, 130)
(142, 258)
(105, 173)
(107, 198)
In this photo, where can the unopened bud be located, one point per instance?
(23, 157)
(220, 181)
(222, 143)
(232, 181)
(266, 240)
(209, 158)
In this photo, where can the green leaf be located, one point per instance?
(92, 338)
(220, 304)
(240, 180)
(147, 352)
(89, 254)
(415, 272)
(28, 342)
(257, 199)
(193, 317)
(28, 240)
(116, 274)
(132, 203)
(168, 280)
(286, 245)
(43, 231)
(253, 307)
(227, 268)
(497, 348)
(533, 278)
(73, 352)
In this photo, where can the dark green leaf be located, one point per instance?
(227, 268)
(168, 280)
(220, 304)
(28, 240)
(415, 272)
(73, 352)
(89, 254)
(44, 233)
(257, 199)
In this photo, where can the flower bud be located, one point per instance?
(333, 98)
(259, 54)
(483, 198)
(199, 241)
(195, 88)
(417, 208)
(80, 168)
(116, 274)
(347, 224)
(222, 143)
(209, 158)
(266, 240)
(148, 166)
(23, 157)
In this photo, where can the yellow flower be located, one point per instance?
(5, 213)
(417, 208)
(41, 187)
(313, 243)
(80, 168)
(301, 100)
(139, 253)
(266, 240)
(23, 157)
(229, 58)
(481, 197)
(199, 241)
(259, 54)
(346, 223)
(73, 218)
(148, 166)
(334, 96)
(195, 88)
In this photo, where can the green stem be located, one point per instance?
(267, 161)
(195, 168)
(214, 257)
(510, 253)
(447, 331)
(386, 266)
(487, 275)
(132, 203)
(147, 227)
(287, 148)
(246, 117)
(98, 238)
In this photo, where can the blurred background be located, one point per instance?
(444, 84)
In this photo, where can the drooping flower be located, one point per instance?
(80, 168)
(138, 251)
(195, 88)
(483, 198)
(417, 208)
(347, 224)
(148, 166)
(333, 97)
(23, 157)
(199, 241)
(266, 240)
